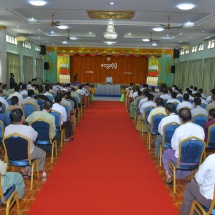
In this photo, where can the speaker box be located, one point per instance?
(173, 69)
(46, 65)
(42, 49)
(175, 53)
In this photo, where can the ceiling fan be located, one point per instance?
(54, 23)
(168, 26)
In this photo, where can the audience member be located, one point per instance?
(16, 93)
(3, 100)
(14, 104)
(209, 123)
(198, 109)
(173, 98)
(30, 99)
(3, 118)
(41, 93)
(24, 90)
(212, 103)
(185, 103)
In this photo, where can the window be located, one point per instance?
(37, 48)
(201, 47)
(27, 45)
(194, 49)
(11, 40)
(182, 52)
(187, 51)
(211, 44)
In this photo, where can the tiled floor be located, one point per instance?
(29, 197)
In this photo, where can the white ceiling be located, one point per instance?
(148, 14)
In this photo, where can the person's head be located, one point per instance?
(153, 89)
(190, 92)
(24, 86)
(4, 86)
(198, 95)
(63, 94)
(150, 97)
(195, 88)
(185, 115)
(159, 102)
(146, 93)
(40, 89)
(170, 108)
(186, 97)
(165, 91)
(29, 82)
(211, 114)
(187, 90)
(80, 86)
(131, 84)
(11, 75)
(30, 93)
(176, 88)
(191, 87)
(197, 101)
(173, 95)
(14, 100)
(180, 91)
(139, 93)
(16, 116)
(58, 98)
(200, 90)
(109, 75)
(16, 88)
(213, 91)
(169, 90)
(174, 85)
(72, 88)
(47, 105)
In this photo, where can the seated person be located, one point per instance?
(41, 93)
(3, 118)
(201, 188)
(173, 98)
(17, 119)
(109, 79)
(209, 123)
(30, 99)
(8, 179)
(14, 104)
(16, 93)
(186, 130)
(198, 109)
(172, 117)
(185, 103)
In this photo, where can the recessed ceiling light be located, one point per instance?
(109, 42)
(37, 2)
(30, 32)
(39, 37)
(73, 38)
(64, 42)
(62, 26)
(154, 44)
(145, 40)
(112, 3)
(203, 31)
(52, 32)
(185, 6)
(53, 44)
(90, 32)
(32, 20)
(129, 33)
(189, 24)
(17, 26)
(158, 29)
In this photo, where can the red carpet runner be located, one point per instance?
(106, 170)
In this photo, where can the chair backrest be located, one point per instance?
(164, 102)
(43, 128)
(54, 95)
(76, 99)
(57, 116)
(1, 129)
(156, 120)
(50, 98)
(24, 96)
(147, 111)
(8, 116)
(190, 151)
(191, 101)
(40, 102)
(211, 135)
(168, 131)
(200, 119)
(29, 108)
(17, 147)
(9, 101)
(67, 109)
(180, 99)
(72, 103)
(3, 108)
(203, 105)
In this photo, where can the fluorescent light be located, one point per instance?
(145, 40)
(112, 3)
(73, 38)
(62, 26)
(64, 42)
(158, 29)
(154, 44)
(185, 6)
(189, 24)
(109, 42)
(38, 2)
(32, 19)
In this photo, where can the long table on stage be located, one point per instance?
(108, 89)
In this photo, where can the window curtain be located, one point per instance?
(195, 75)
(39, 69)
(13, 66)
(181, 75)
(27, 68)
(208, 75)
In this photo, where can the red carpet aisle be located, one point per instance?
(106, 170)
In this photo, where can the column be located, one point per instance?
(2, 54)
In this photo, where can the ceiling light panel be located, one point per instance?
(38, 3)
(185, 6)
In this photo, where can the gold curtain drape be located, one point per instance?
(95, 69)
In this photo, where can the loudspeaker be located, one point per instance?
(46, 65)
(173, 69)
(42, 49)
(175, 53)
(75, 77)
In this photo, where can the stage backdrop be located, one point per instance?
(122, 69)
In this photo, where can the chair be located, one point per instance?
(57, 116)
(28, 108)
(5, 97)
(210, 144)
(201, 209)
(180, 98)
(8, 116)
(17, 153)
(9, 198)
(191, 101)
(1, 131)
(9, 101)
(175, 105)
(200, 119)
(203, 105)
(50, 98)
(164, 102)
(3, 108)
(40, 102)
(154, 126)
(73, 108)
(24, 96)
(44, 135)
(189, 157)
(147, 111)
(67, 109)
(168, 131)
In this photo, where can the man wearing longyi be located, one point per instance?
(109, 80)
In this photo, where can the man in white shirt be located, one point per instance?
(185, 103)
(166, 96)
(109, 79)
(24, 90)
(188, 129)
(179, 94)
(144, 99)
(201, 188)
(3, 100)
(203, 101)
(16, 93)
(208, 99)
(198, 109)
(173, 98)
(65, 123)
(171, 118)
